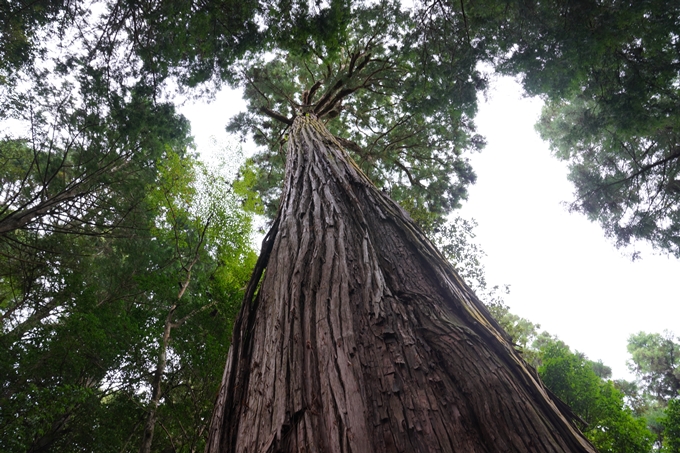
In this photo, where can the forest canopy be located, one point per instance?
(123, 258)
(399, 85)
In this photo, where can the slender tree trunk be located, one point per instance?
(149, 428)
(156, 391)
(362, 338)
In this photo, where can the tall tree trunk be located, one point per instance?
(156, 391)
(362, 338)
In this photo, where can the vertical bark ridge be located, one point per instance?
(362, 338)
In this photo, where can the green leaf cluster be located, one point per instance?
(671, 424)
(82, 332)
(655, 359)
(609, 424)
(610, 75)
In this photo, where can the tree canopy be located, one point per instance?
(122, 257)
(386, 89)
(608, 423)
(84, 320)
(610, 75)
(402, 83)
(655, 359)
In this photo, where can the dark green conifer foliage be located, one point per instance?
(402, 103)
(610, 74)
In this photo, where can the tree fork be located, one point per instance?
(362, 338)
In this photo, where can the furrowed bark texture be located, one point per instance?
(362, 338)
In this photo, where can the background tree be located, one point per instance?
(609, 73)
(655, 360)
(192, 42)
(87, 374)
(607, 421)
(19, 25)
(199, 216)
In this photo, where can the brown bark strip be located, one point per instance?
(362, 338)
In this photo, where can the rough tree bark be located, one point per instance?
(362, 338)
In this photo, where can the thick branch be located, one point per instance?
(276, 115)
(324, 99)
(309, 95)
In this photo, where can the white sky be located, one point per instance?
(564, 274)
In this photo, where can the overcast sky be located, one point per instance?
(563, 273)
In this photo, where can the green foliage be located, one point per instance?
(399, 86)
(626, 180)
(610, 425)
(72, 176)
(671, 424)
(610, 74)
(619, 430)
(244, 188)
(455, 240)
(19, 24)
(402, 108)
(571, 378)
(74, 234)
(656, 363)
(81, 331)
(522, 331)
(194, 42)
